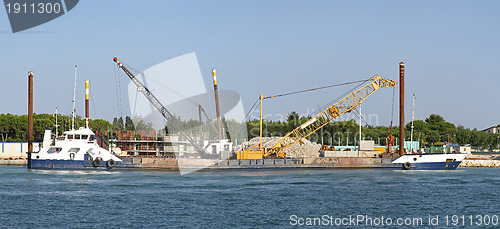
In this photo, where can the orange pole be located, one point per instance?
(87, 82)
(401, 108)
(216, 92)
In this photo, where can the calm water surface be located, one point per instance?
(246, 198)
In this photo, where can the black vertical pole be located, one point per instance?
(30, 117)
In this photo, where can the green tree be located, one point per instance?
(118, 123)
(293, 120)
(101, 126)
(433, 137)
(434, 118)
(418, 126)
(129, 124)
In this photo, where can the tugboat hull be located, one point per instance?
(429, 161)
(71, 164)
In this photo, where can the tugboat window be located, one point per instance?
(70, 136)
(77, 136)
(85, 137)
(54, 150)
(90, 152)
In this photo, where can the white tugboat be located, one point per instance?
(429, 161)
(422, 161)
(75, 149)
(78, 149)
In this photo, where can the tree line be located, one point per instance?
(434, 130)
(14, 128)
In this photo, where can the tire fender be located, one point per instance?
(110, 163)
(407, 165)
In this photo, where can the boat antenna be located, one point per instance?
(412, 118)
(74, 97)
(57, 133)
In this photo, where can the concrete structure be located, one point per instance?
(17, 149)
(367, 145)
(465, 149)
(493, 130)
(350, 154)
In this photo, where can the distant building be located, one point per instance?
(493, 129)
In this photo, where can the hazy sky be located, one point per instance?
(451, 50)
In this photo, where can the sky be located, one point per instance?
(451, 52)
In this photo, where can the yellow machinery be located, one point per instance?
(341, 107)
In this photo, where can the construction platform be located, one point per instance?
(191, 163)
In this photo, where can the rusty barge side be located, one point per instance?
(170, 163)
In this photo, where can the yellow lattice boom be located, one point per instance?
(343, 106)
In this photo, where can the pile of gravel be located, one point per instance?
(307, 149)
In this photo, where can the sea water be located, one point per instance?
(464, 198)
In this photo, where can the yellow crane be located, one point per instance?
(334, 111)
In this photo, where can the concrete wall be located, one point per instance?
(465, 149)
(367, 153)
(367, 145)
(17, 149)
(341, 153)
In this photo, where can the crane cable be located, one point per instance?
(366, 123)
(392, 112)
(392, 115)
(135, 102)
(252, 109)
(313, 89)
(321, 109)
(168, 88)
(118, 91)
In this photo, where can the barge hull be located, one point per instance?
(214, 164)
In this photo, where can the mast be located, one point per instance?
(74, 97)
(359, 145)
(57, 133)
(201, 125)
(30, 117)
(216, 92)
(87, 82)
(260, 139)
(401, 108)
(412, 118)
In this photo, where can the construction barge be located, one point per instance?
(79, 149)
(278, 163)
